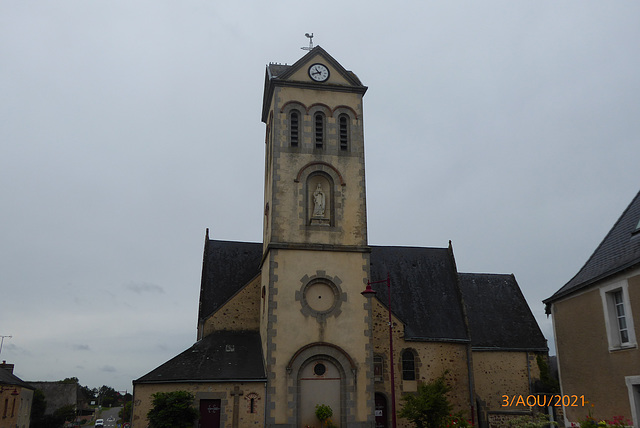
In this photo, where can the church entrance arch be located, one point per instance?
(321, 373)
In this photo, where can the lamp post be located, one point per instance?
(370, 292)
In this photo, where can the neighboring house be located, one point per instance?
(16, 398)
(595, 316)
(284, 325)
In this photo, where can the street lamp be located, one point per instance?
(370, 292)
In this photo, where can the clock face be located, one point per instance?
(318, 72)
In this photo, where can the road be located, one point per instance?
(110, 416)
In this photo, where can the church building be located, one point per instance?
(290, 323)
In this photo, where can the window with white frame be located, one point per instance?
(618, 317)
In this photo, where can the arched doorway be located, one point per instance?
(320, 383)
(336, 385)
(381, 411)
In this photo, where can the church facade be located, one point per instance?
(284, 324)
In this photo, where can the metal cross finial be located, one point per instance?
(310, 36)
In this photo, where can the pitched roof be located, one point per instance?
(226, 267)
(499, 316)
(427, 294)
(278, 74)
(220, 356)
(618, 251)
(8, 378)
(424, 291)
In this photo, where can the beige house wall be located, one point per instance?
(143, 400)
(587, 367)
(241, 312)
(15, 410)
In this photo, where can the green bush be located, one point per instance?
(172, 410)
(430, 408)
(323, 413)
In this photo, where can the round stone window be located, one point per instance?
(320, 297)
(319, 369)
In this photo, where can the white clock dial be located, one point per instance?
(318, 72)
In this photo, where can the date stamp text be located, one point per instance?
(543, 400)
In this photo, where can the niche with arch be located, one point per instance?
(320, 199)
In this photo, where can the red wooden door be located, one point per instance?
(209, 414)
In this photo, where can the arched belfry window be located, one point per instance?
(294, 128)
(318, 121)
(408, 365)
(344, 131)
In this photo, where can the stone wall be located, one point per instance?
(241, 312)
(226, 392)
(57, 394)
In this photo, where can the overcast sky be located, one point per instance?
(129, 127)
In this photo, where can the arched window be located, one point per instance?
(319, 130)
(408, 365)
(344, 132)
(294, 128)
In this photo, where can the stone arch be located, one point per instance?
(346, 110)
(344, 384)
(308, 177)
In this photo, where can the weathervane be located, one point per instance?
(310, 36)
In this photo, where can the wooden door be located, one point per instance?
(210, 414)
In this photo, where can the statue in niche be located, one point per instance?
(318, 202)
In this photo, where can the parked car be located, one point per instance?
(99, 423)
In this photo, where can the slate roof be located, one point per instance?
(8, 378)
(618, 251)
(499, 316)
(424, 293)
(226, 267)
(427, 294)
(221, 356)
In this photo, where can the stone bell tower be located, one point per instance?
(315, 324)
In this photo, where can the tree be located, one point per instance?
(65, 413)
(429, 408)
(38, 405)
(108, 396)
(125, 411)
(172, 410)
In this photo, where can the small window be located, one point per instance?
(408, 365)
(294, 128)
(620, 317)
(319, 130)
(344, 132)
(252, 402)
(378, 368)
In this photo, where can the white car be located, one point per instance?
(99, 423)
